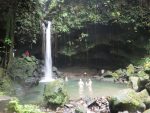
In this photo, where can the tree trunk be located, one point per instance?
(10, 33)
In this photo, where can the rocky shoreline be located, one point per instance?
(83, 105)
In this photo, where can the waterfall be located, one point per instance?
(47, 54)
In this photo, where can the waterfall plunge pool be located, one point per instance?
(99, 88)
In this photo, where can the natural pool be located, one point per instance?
(99, 88)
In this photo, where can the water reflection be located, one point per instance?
(85, 89)
(66, 79)
(90, 91)
(89, 86)
(81, 88)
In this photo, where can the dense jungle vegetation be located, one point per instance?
(111, 35)
(105, 33)
(99, 31)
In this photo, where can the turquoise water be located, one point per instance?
(99, 88)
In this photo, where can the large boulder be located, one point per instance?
(129, 100)
(25, 70)
(55, 93)
(139, 82)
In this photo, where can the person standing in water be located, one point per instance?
(81, 88)
(81, 83)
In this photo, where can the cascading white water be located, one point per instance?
(48, 56)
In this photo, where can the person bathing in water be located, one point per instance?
(89, 83)
(81, 83)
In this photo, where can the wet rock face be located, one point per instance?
(56, 73)
(129, 100)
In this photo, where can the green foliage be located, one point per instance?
(68, 15)
(1, 93)
(76, 17)
(68, 51)
(5, 83)
(28, 17)
(81, 44)
(15, 106)
(55, 93)
(31, 59)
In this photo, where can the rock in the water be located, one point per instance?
(129, 100)
(56, 72)
(55, 93)
(54, 69)
(134, 82)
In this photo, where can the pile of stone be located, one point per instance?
(100, 105)
(86, 105)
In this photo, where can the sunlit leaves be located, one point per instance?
(75, 15)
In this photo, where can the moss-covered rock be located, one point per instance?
(55, 93)
(129, 100)
(23, 69)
